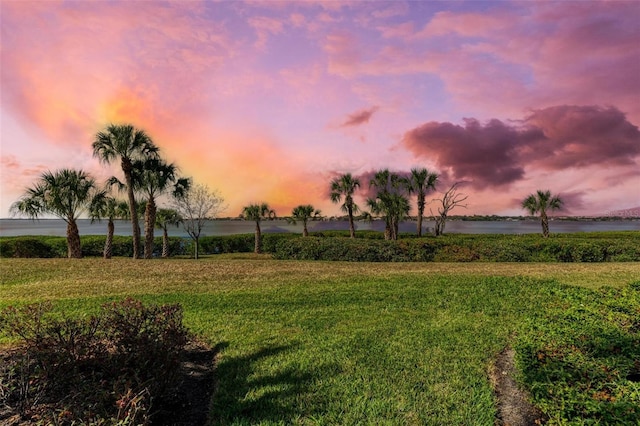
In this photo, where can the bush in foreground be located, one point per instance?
(105, 369)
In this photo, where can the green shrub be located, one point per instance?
(240, 243)
(587, 252)
(93, 245)
(456, 253)
(113, 365)
(26, 247)
(545, 250)
(271, 240)
(354, 250)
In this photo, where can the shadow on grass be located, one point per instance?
(246, 394)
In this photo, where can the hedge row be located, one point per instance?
(369, 246)
(93, 245)
(502, 248)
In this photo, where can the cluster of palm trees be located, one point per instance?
(391, 200)
(69, 193)
(145, 173)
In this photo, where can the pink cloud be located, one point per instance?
(344, 54)
(404, 30)
(297, 19)
(511, 59)
(464, 24)
(350, 57)
(390, 10)
(9, 162)
(265, 27)
(579, 53)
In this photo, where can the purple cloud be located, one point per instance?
(496, 153)
(486, 155)
(580, 136)
(359, 117)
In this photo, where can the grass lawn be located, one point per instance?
(330, 343)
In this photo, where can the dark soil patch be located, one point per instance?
(514, 408)
(187, 404)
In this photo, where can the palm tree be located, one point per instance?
(164, 219)
(257, 212)
(105, 206)
(65, 193)
(125, 143)
(344, 186)
(303, 214)
(419, 182)
(390, 201)
(381, 181)
(153, 177)
(540, 202)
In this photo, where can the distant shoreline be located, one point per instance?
(487, 218)
(235, 226)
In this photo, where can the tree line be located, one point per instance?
(69, 193)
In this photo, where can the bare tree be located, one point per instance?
(450, 200)
(197, 205)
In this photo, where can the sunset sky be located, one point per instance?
(267, 101)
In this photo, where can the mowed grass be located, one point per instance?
(329, 343)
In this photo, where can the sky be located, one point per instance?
(267, 101)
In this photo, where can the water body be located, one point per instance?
(56, 227)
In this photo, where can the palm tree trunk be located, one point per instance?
(305, 231)
(149, 226)
(108, 244)
(420, 214)
(352, 228)
(126, 168)
(74, 250)
(387, 228)
(545, 224)
(165, 242)
(258, 239)
(394, 235)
